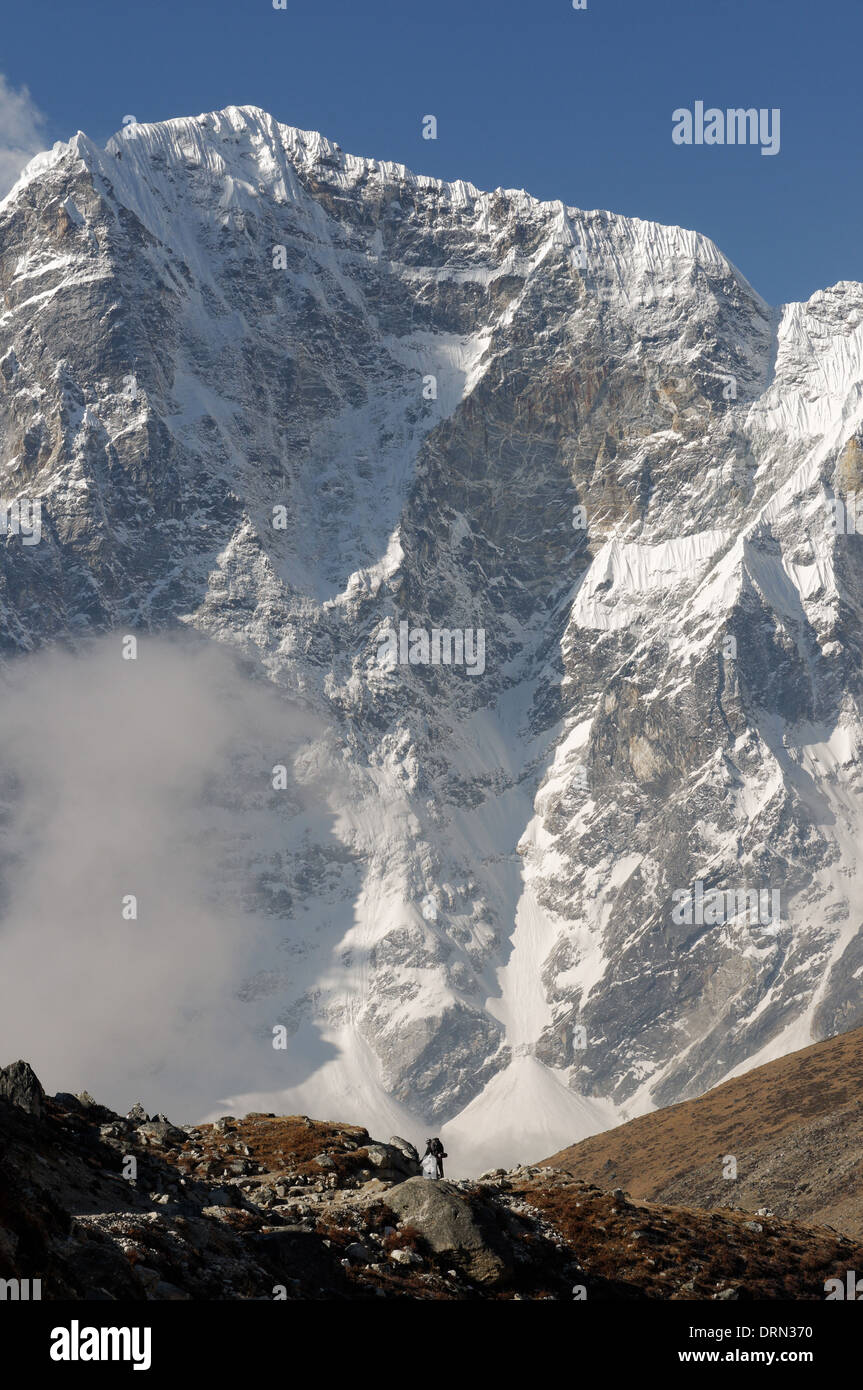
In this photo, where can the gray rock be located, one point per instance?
(405, 1147)
(163, 1132)
(67, 1100)
(452, 1226)
(223, 1197)
(20, 1085)
(405, 1257)
(392, 1163)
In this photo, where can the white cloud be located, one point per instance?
(21, 132)
(150, 777)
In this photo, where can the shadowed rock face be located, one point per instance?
(220, 316)
(20, 1085)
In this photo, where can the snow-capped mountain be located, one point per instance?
(292, 399)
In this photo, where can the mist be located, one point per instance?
(124, 779)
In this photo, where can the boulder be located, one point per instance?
(163, 1132)
(462, 1230)
(84, 1104)
(224, 1197)
(20, 1085)
(407, 1148)
(392, 1163)
(68, 1102)
(405, 1257)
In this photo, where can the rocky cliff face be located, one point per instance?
(289, 399)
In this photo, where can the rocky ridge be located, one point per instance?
(268, 1207)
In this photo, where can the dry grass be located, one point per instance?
(648, 1153)
(661, 1250)
(288, 1143)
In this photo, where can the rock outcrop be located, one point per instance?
(285, 1207)
(20, 1085)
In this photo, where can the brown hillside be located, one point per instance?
(795, 1127)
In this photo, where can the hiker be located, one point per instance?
(438, 1151)
(429, 1163)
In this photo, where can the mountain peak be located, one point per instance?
(303, 403)
(247, 145)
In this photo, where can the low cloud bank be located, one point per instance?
(123, 778)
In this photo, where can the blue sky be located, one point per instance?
(567, 104)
